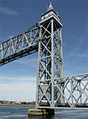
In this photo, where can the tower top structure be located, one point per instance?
(50, 7)
(50, 14)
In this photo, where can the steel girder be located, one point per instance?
(19, 46)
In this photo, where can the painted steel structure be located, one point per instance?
(19, 46)
(53, 90)
(50, 59)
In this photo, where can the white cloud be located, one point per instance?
(22, 89)
(18, 78)
(18, 92)
(8, 11)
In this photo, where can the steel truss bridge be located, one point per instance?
(53, 90)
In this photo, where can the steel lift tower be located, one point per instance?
(53, 90)
(50, 59)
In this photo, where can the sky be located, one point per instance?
(18, 78)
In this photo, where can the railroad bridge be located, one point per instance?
(53, 90)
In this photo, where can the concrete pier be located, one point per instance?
(40, 112)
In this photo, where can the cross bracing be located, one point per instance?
(75, 92)
(19, 46)
(53, 90)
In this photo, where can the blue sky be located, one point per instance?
(18, 78)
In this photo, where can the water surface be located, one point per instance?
(18, 112)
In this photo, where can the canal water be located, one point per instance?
(17, 112)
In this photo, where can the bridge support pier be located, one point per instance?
(40, 112)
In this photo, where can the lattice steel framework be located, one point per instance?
(53, 90)
(19, 46)
(75, 94)
(50, 59)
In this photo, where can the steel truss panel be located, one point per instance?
(75, 92)
(19, 46)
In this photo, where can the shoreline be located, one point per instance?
(26, 105)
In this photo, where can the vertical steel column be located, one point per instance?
(71, 83)
(80, 92)
(52, 61)
(62, 73)
(61, 64)
(38, 72)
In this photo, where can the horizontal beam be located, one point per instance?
(78, 77)
(63, 108)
